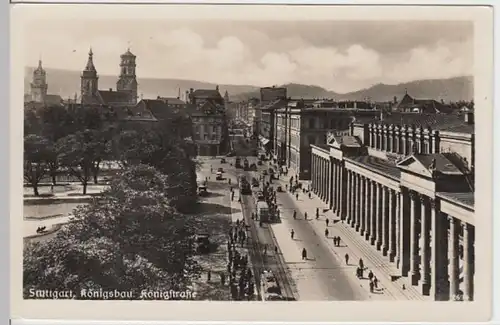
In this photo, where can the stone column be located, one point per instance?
(373, 212)
(439, 257)
(392, 225)
(395, 228)
(453, 257)
(335, 187)
(368, 204)
(413, 238)
(341, 209)
(349, 196)
(425, 246)
(468, 269)
(404, 232)
(356, 203)
(353, 200)
(314, 174)
(362, 198)
(379, 217)
(385, 221)
(323, 178)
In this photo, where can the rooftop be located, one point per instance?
(466, 198)
(112, 96)
(206, 93)
(377, 165)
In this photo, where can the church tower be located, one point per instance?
(127, 82)
(89, 79)
(39, 84)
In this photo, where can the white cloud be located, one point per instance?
(253, 59)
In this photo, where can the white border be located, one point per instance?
(483, 90)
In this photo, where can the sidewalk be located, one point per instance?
(354, 245)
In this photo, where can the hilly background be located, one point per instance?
(66, 83)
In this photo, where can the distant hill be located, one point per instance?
(452, 89)
(66, 83)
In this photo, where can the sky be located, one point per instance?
(341, 56)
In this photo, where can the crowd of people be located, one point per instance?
(241, 281)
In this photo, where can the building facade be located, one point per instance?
(408, 189)
(209, 122)
(267, 128)
(300, 124)
(39, 87)
(126, 86)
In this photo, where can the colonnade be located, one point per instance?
(401, 139)
(434, 250)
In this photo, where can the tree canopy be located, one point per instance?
(128, 239)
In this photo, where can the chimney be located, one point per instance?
(469, 117)
(110, 89)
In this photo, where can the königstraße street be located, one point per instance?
(323, 276)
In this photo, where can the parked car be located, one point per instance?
(219, 176)
(202, 191)
(220, 170)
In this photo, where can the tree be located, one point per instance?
(80, 153)
(37, 152)
(127, 239)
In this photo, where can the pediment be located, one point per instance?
(412, 164)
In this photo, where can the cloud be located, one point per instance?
(246, 54)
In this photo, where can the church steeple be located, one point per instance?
(89, 78)
(127, 81)
(39, 84)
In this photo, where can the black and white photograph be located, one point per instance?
(251, 159)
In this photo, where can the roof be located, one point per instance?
(172, 100)
(445, 163)
(112, 96)
(347, 141)
(128, 53)
(464, 128)
(276, 104)
(377, 165)
(427, 105)
(206, 93)
(424, 120)
(53, 99)
(466, 198)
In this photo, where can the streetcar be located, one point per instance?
(244, 186)
(262, 211)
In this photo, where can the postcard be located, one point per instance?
(251, 162)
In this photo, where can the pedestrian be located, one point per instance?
(297, 196)
(346, 259)
(371, 287)
(370, 275)
(304, 254)
(310, 195)
(334, 240)
(361, 263)
(338, 241)
(292, 233)
(209, 276)
(327, 221)
(305, 215)
(294, 214)
(276, 249)
(286, 187)
(375, 282)
(239, 199)
(317, 213)
(326, 232)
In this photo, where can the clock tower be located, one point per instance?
(127, 82)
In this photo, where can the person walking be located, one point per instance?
(294, 214)
(304, 254)
(292, 233)
(317, 213)
(309, 195)
(305, 215)
(297, 196)
(370, 275)
(327, 221)
(346, 256)
(375, 282)
(361, 263)
(326, 232)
